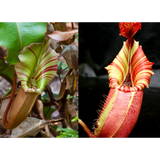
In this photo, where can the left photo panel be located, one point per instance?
(39, 79)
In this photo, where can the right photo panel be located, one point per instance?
(119, 80)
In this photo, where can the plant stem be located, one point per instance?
(51, 97)
(90, 134)
(59, 78)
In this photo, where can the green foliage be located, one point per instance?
(66, 133)
(75, 119)
(69, 97)
(47, 111)
(15, 36)
(45, 97)
(6, 71)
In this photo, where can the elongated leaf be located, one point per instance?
(62, 26)
(141, 68)
(37, 67)
(15, 36)
(62, 36)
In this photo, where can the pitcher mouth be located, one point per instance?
(127, 89)
(130, 71)
(127, 85)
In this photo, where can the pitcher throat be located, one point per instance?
(127, 82)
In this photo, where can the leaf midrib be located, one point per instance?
(20, 39)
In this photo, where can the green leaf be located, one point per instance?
(48, 111)
(75, 119)
(15, 36)
(69, 96)
(6, 71)
(45, 97)
(37, 67)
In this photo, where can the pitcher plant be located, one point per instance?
(128, 74)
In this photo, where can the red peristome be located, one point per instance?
(125, 88)
(123, 115)
(129, 29)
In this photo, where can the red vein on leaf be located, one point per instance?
(49, 78)
(43, 64)
(20, 73)
(32, 52)
(48, 50)
(51, 68)
(20, 68)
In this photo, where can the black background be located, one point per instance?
(99, 43)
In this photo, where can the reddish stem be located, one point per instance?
(90, 134)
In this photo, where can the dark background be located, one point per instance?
(99, 43)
